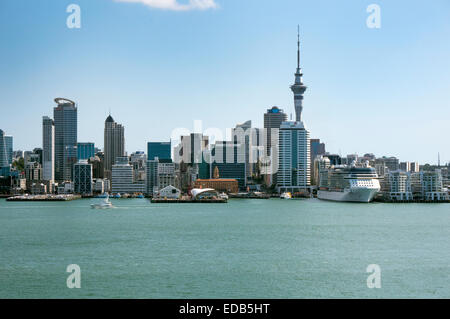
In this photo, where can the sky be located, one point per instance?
(158, 65)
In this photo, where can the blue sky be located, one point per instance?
(384, 91)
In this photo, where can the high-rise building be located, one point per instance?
(97, 166)
(294, 169)
(335, 159)
(82, 178)
(272, 122)
(399, 185)
(228, 159)
(190, 150)
(33, 172)
(317, 149)
(321, 163)
(122, 178)
(414, 166)
(252, 141)
(85, 151)
(151, 184)
(3, 150)
(48, 149)
(9, 148)
(114, 144)
(298, 88)
(269, 164)
(162, 150)
(138, 160)
(352, 158)
(294, 157)
(405, 166)
(432, 186)
(392, 163)
(65, 120)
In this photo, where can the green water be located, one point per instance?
(243, 249)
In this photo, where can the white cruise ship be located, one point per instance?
(348, 184)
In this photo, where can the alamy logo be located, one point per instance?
(374, 19)
(374, 279)
(74, 19)
(74, 279)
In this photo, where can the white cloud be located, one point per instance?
(175, 5)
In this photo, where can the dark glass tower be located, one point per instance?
(65, 119)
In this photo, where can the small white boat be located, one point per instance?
(223, 196)
(286, 195)
(106, 203)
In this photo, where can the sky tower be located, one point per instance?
(298, 88)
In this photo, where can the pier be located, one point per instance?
(43, 198)
(187, 201)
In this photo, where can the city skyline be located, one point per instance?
(336, 106)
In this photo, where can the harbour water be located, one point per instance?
(243, 249)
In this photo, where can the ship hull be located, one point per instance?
(360, 195)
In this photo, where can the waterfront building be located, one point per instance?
(65, 121)
(85, 150)
(432, 185)
(167, 174)
(161, 150)
(9, 148)
(151, 186)
(38, 189)
(3, 150)
(66, 188)
(122, 178)
(33, 172)
(101, 185)
(48, 149)
(169, 192)
(400, 188)
(381, 169)
(82, 178)
(114, 144)
(294, 170)
(98, 186)
(160, 174)
(227, 185)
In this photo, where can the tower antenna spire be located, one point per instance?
(298, 46)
